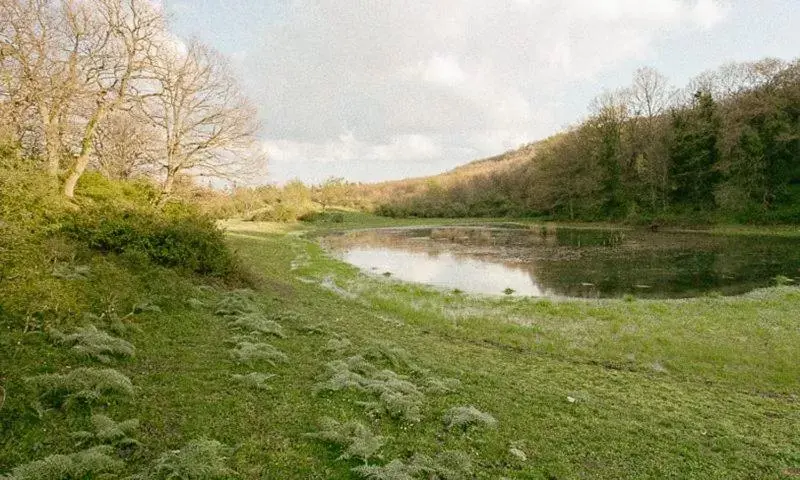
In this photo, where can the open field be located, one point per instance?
(702, 388)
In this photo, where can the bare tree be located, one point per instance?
(125, 146)
(208, 126)
(121, 40)
(40, 50)
(651, 93)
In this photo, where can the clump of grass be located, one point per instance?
(449, 465)
(90, 463)
(255, 380)
(94, 343)
(82, 385)
(108, 432)
(247, 352)
(782, 280)
(254, 322)
(467, 417)
(356, 440)
(198, 460)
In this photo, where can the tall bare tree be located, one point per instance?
(121, 43)
(208, 126)
(40, 47)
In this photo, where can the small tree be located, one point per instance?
(333, 191)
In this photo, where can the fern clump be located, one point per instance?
(467, 417)
(397, 357)
(441, 386)
(146, 307)
(396, 396)
(71, 272)
(315, 329)
(256, 323)
(356, 440)
(108, 432)
(89, 385)
(247, 352)
(198, 460)
(255, 380)
(346, 374)
(337, 346)
(94, 343)
(445, 466)
(88, 463)
(238, 302)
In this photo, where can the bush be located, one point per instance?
(189, 242)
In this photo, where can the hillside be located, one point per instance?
(726, 147)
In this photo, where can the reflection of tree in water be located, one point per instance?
(587, 263)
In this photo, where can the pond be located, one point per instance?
(571, 262)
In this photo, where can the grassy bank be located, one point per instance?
(702, 388)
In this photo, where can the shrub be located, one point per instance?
(189, 242)
(80, 465)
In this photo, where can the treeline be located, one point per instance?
(290, 202)
(727, 146)
(102, 84)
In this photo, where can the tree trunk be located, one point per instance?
(82, 161)
(75, 174)
(166, 188)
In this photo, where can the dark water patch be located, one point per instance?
(572, 262)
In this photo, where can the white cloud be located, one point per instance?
(349, 83)
(708, 13)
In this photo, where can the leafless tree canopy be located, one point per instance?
(207, 125)
(101, 82)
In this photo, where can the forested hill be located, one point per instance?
(724, 147)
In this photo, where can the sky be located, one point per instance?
(373, 90)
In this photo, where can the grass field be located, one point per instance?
(704, 388)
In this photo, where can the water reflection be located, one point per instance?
(571, 262)
(446, 270)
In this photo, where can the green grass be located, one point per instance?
(705, 388)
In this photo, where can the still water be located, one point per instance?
(571, 262)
